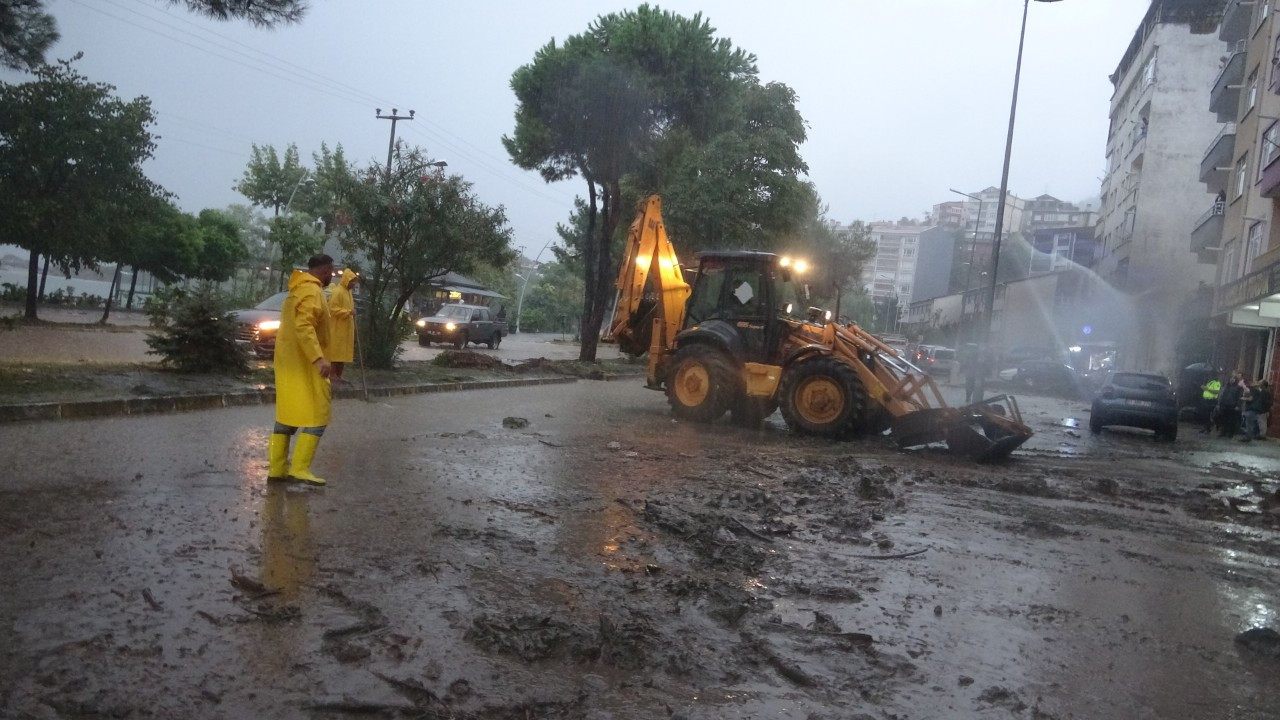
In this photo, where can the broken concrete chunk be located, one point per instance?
(514, 423)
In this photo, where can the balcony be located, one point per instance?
(1269, 185)
(1206, 234)
(1235, 20)
(1215, 168)
(1224, 97)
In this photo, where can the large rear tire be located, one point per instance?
(824, 397)
(701, 383)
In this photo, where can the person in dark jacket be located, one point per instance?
(1255, 408)
(1229, 405)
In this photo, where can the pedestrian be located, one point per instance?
(1209, 402)
(1264, 409)
(1255, 406)
(302, 373)
(342, 332)
(1229, 406)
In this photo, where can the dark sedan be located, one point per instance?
(1047, 376)
(1137, 399)
(258, 325)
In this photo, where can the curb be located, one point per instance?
(208, 401)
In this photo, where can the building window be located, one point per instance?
(1253, 248)
(908, 252)
(1253, 90)
(1228, 272)
(1242, 172)
(1270, 149)
(1264, 11)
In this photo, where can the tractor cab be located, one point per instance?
(746, 299)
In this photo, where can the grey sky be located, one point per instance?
(903, 99)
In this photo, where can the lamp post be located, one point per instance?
(1000, 201)
(304, 180)
(525, 284)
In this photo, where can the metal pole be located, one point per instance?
(1000, 202)
(364, 379)
(534, 269)
(391, 146)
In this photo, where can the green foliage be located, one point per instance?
(552, 301)
(410, 228)
(26, 31)
(269, 182)
(194, 335)
(294, 240)
(221, 248)
(71, 159)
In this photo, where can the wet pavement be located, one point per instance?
(603, 561)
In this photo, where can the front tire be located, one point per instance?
(460, 342)
(494, 340)
(1095, 423)
(824, 397)
(701, 383)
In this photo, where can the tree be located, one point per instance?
(164, 244)
(407, 230)
(27, 30)
(600, 104)
(268, 182)
(221, 247)
(69, 150)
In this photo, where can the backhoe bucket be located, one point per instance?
(983, 431)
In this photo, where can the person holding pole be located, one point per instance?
(342, 333)
(302, 374)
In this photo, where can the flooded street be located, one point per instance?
(603, 561)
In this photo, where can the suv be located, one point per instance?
(1136, 399)
(935, 359)
(461, 324)
(259, 324)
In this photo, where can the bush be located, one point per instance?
(194, 335)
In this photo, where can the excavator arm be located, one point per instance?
(650, 305)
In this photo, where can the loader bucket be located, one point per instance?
(982, 432)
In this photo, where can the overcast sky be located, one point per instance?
(904, 99)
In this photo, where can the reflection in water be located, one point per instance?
(287, 563)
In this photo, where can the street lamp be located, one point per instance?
(304, 180)
(525, 284)
(1004, 190)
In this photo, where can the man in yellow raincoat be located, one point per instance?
(342, 329)
(302, 373)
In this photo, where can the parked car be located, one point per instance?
(935, 359)
(461, 324)
(1136, 399)
(1047, 376)
(259, 324)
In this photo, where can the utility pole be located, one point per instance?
(393, 117)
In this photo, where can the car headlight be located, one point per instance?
(269, 325)
(422, 323)
(450, 327)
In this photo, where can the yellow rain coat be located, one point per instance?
(302, 396)
(342, 310)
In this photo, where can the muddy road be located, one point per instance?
(595, 559)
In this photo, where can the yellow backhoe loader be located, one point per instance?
(743, 340)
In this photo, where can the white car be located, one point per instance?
(1008, 374)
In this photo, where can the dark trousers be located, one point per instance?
(1228, 421)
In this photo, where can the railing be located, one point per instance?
(1227, 129)
(1238, 49)
(1217, 208)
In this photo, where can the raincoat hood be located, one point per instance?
(348, 276)
(300, 278)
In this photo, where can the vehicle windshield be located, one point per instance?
(944, 354)
(790, 292)
(1136, 381)
(455, 312)
(275, 302)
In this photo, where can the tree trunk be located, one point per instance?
(589, 251)
(599, 270)
(133, 284)
(44, 275)
(111, 293)
(33, 275)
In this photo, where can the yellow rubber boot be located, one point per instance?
(279, 450)
(300, 466)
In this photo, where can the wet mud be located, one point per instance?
(598, 560)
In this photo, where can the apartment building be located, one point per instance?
(1235, 234)
(891, 273)
(1048, 212)
(1159, 128)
